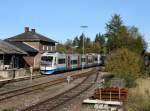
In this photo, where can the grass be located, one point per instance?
(139, 97)
(142, 88)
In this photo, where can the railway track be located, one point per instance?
(25, 90)
(58, 100)
(2, 83)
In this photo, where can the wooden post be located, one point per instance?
(13, 65)
(110, 95)
(31, 72)
(3, 60)
(119, 94)
(100, 94)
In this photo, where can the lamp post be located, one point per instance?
(83, 27)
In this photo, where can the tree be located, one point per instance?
(61, 48)
(76, 41)
(125, 64)
(79, 42)
(68, 44)
(112, 31)
(121, 36)
(99, 43)
(137, 42)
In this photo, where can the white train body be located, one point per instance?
(54, 62)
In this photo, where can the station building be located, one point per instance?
(34, 44)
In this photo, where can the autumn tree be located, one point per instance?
(125, 64)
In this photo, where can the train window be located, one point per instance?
(47, 58)
(96, 58)
(55, 61)
(74, 61)
(61, 61)
(90, 61)
(82, 59)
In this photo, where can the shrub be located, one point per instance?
(125, 64)
(137, 103)
(9, 109)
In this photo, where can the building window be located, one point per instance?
(51, 48)
(47, 47)
(43, 47)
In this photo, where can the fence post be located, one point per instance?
(31, 72)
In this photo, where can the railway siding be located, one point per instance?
(27, 83)
(26, 99)
(61, 99)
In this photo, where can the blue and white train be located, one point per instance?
(52, 62)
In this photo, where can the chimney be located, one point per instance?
(33, 30)
(26, 29)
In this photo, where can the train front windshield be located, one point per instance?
(46, 60)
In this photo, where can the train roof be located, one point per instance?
(56, 52)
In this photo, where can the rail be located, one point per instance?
(58, 100)
(21, 91)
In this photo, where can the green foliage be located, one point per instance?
(147, 72)
(137, 103)
(117, 34)
(9, 109)
(136, 42)
(61, 48)
(130, 79)
(125, 64)
(112, 31)
(76, 45)
(121, 36)
(99, 42)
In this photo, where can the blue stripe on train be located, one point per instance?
(60, 69)
(47, 71)
(53, 70)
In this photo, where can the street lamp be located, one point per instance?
(83, 27)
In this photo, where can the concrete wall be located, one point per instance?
(37, 60)
(9, 74)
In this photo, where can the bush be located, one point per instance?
(130, 80)
(9, 109)
(137, 103)
(125, 64)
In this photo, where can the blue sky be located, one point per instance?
(61, 19)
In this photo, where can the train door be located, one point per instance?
(78, 61)
(87, 60)
(68, 62)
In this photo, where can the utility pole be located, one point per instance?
(83, 48)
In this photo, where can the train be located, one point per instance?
(52, 62)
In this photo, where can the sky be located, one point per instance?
(61, 19)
